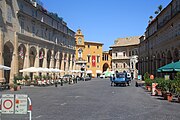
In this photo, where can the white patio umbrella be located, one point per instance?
(2, 67)
(73, 71)
(31, 69)
(55, 70)
(58, 70)
(46, 70)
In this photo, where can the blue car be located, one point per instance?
(119, 79)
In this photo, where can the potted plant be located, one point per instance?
(26, 77)
(177, 85)
(159, 82)
(18, 86)
(15, 87)
(11, 85)
(146, 75)
(36, 79)
(49, 77)
(45, 77)
(148, 83)
(167, 90)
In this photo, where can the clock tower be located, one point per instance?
(79, 38)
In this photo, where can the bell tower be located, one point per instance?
(79, 37)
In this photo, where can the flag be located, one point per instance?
(21, 54)
(93, 61)
(41, 55)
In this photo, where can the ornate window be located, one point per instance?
(89, 58)
(124, 65)
(22, 26)
(98, 59)
(9, 14)
(80, 53)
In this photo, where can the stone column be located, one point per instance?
(14, 62)
(57, 60)
(71, 61)
(62, 63)
(36, 64)
(45, 59)
(52, 59)
(1, 55)
(26, 59)
(74, 62)
(67, 64)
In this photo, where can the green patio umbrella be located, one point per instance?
(171, 67)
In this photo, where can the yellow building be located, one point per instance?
(89, 56)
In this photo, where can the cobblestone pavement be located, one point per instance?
(95, 100)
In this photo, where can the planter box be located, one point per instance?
(178, 99)
(158, 92)
(148, 88)
(11, 89)
(169, 97)
(18, 87)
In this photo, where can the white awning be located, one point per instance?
(98, 71)
(89, 71)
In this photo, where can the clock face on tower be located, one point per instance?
(79, 41)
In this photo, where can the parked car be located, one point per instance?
(119, 79)
(87, 77)
(67, 77)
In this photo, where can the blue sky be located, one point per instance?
(106, 20)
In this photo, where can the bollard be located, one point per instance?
(77, 79)
(137, 84)
(69, 81)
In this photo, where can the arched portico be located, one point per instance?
(32, 56)
(105, 66)
(8, 55)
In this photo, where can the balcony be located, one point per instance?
(121, 58)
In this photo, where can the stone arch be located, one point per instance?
(48, 58)
(105, 66)
(163, 58)
(7, 55)
(41, 57)
(21, 55)
(175, 55)
(32, 55)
